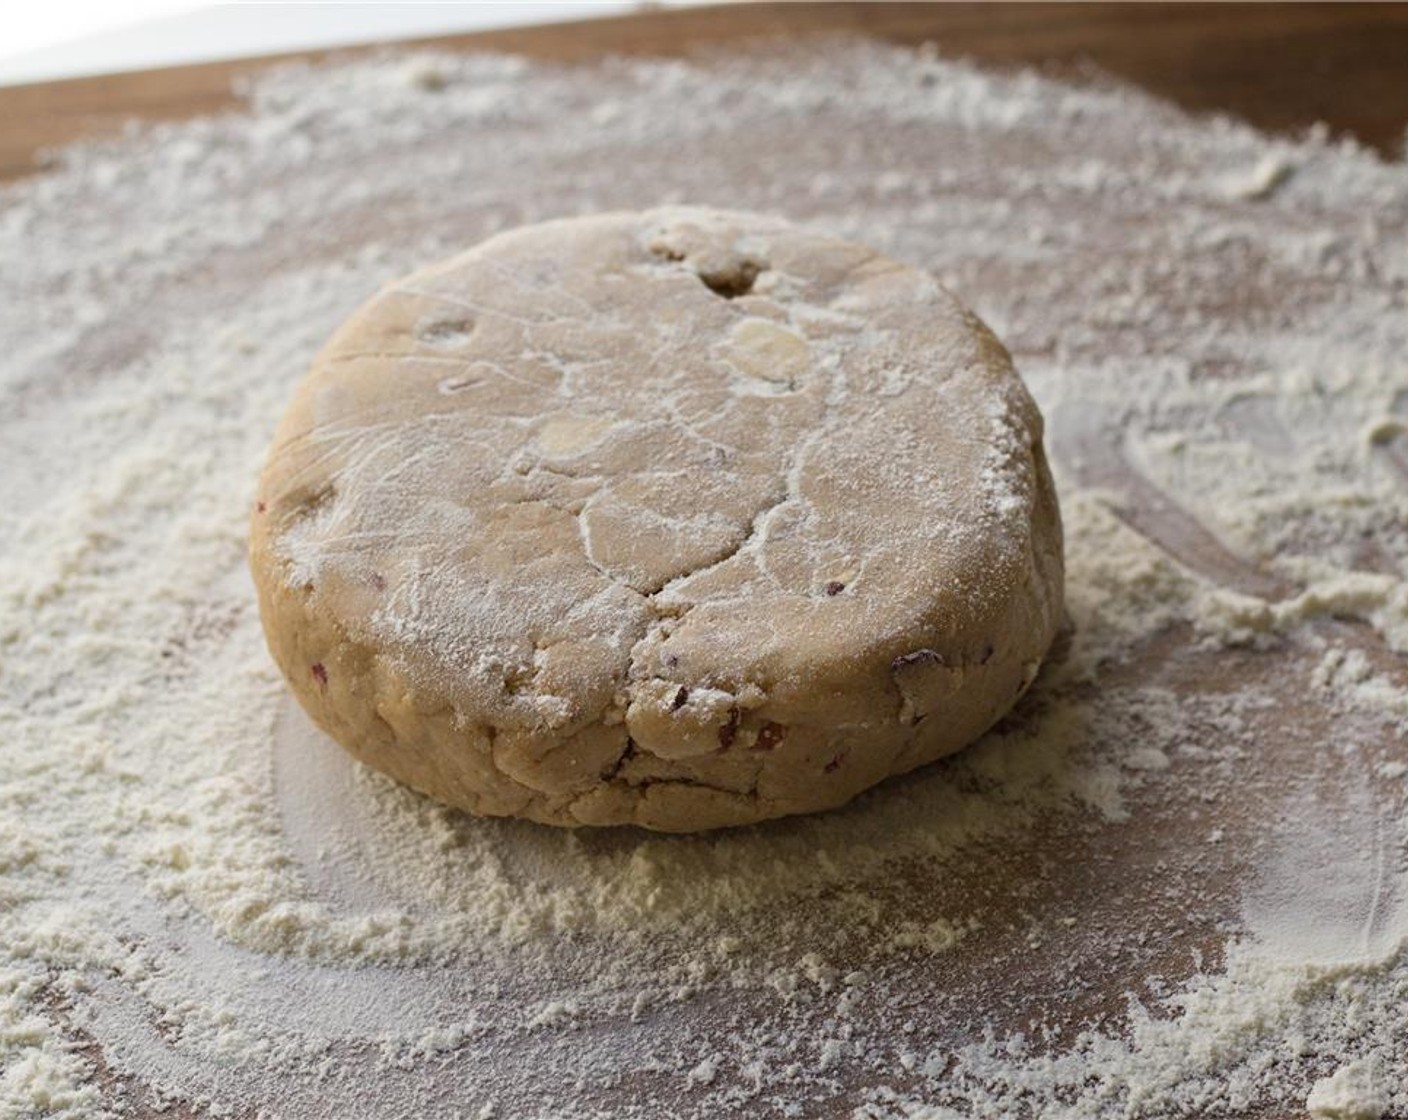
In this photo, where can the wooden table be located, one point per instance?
(1277, 66)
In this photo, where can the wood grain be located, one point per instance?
(1278, 66)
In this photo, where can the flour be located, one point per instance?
(1172, 883)
(1351, 1093)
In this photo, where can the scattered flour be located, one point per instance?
(1171, 884)
(1350, 1093)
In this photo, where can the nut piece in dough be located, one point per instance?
(681, 519)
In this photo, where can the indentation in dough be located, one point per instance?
(727, 271)
(731, 279)
(446, 333)
(458, 384)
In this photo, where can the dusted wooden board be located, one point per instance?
(1165, 49)
(1278, 66)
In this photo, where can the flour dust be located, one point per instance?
(1172, 883)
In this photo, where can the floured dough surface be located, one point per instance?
(682, 518)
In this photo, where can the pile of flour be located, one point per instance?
(1172, 883)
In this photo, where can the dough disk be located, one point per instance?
(682, 519)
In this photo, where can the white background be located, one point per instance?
(44, 39)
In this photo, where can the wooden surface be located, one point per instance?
(1278, 66)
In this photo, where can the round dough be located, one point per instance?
(681, 519)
